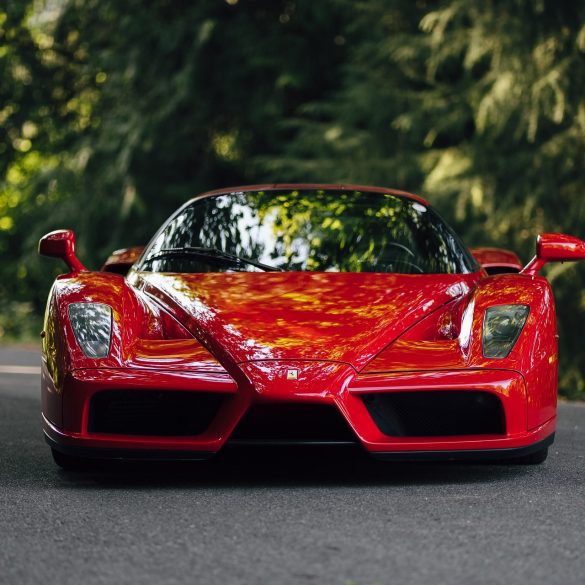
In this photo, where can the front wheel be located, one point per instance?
(535, 458)
(69, 462)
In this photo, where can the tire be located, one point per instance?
(69, 462)
(535, 458)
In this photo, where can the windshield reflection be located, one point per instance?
(311, 230)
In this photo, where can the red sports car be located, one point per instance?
(302, 314)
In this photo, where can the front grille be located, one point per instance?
(292, 423)
(152, 412)
(436, 413)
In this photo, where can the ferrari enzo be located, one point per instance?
(302, 314)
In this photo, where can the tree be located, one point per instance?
(116, 112)
(479, 106)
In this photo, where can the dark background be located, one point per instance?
(113, 113)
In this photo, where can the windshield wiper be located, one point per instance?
(214, 254)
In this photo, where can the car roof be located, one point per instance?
(305, 186)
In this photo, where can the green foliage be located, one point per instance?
(113, 113)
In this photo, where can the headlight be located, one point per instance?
(92, 325)
(502, 326)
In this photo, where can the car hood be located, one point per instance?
(344, 317)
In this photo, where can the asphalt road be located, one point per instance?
(282, 519)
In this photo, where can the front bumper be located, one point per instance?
(318, 383)
(396, 456)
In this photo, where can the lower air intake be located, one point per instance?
(293, 424)
(152, 412)
(436, 413)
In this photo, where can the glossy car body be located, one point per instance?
(392, 362)
(497, 260)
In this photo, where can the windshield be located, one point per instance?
(307, 230)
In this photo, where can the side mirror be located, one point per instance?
(61, 244)
(122, 260)
(497, 260)
(555, 248)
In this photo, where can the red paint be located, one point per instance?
(239, 334)
(508, 385)
(120, 261)
(555, 248)
(61, 244)
(497, 258)
(338, 316)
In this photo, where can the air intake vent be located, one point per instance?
(436, 413)
(293, 424)
(152, 412)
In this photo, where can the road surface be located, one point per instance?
(251, 519)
